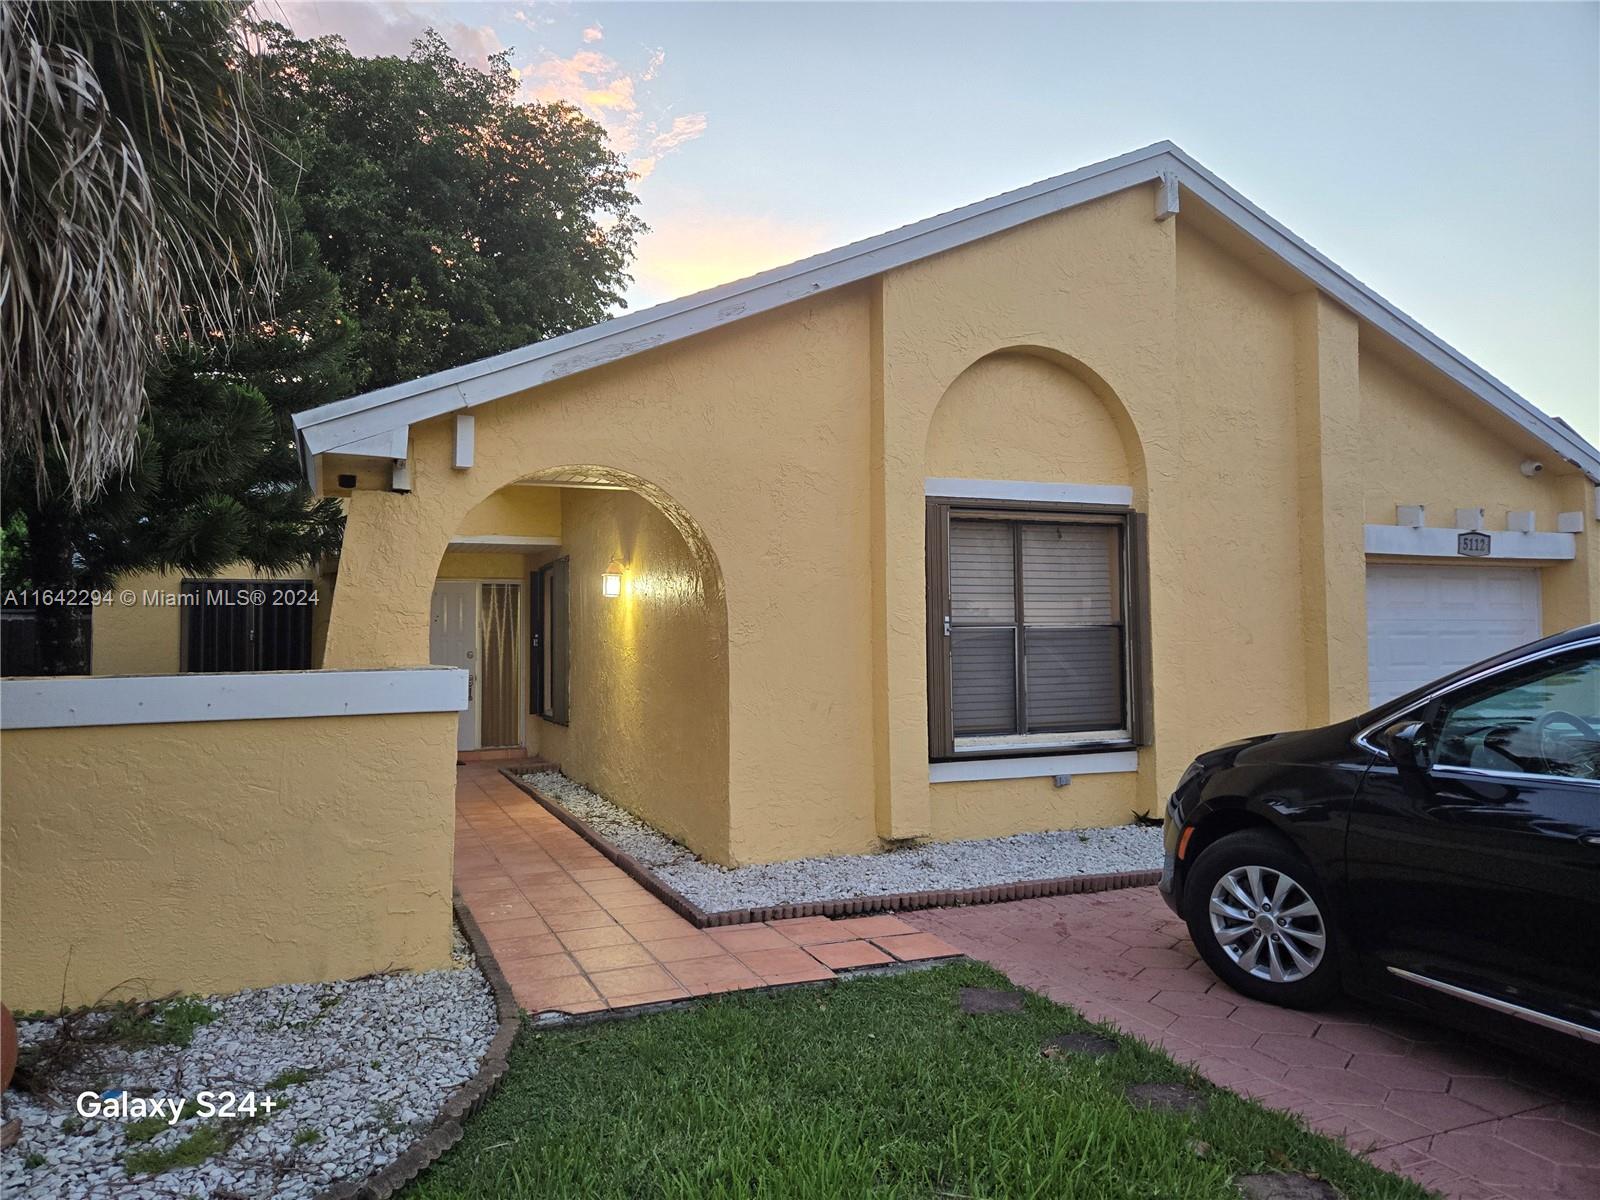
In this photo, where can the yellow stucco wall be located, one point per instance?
(1093, 346)
(1432, 447)
(1021, 416)
(519, 511)
(648, 686)
(478, 564)
(753, 441)
(1423, 448)
(144, 859)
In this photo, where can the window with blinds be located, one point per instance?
(1035, 648)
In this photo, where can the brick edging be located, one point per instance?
(853, 906)
(447, 1127)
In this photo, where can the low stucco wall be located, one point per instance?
(212, 856)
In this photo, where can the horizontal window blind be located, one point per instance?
(1051, 660)
(1074, 678)
(983, 577)
(984, 666)
(1069, 574)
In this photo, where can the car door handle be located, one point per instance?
(1589, 839)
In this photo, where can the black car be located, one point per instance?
(1442, 850)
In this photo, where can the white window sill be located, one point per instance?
(1110, 762)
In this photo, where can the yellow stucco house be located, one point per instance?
(984, 525)
(1078, 480)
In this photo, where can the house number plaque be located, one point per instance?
(1472, 544)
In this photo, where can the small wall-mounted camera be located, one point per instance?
(1531, 467)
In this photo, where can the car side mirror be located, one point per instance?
(1402, 742)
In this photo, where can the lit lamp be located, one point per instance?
(611, 581)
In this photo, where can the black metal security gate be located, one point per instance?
(247, 625)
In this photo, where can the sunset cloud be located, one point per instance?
(613, 93)
(381, 27)
(610, 94)
(694, 247)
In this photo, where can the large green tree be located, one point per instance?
(459, 221)
(432, 219)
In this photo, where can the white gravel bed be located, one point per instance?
(383, 1055)
(936, 866)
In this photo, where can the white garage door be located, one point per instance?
(1424, 622)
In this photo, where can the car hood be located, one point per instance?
(1292, 746)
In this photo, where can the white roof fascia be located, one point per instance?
(1339, 284)
(383, 412)
(467, 386)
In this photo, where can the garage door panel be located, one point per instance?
(1427, 621)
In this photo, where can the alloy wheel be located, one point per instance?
(1267, 924)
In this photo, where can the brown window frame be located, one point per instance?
(1134, 586)
(553, 685)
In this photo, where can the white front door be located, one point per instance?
(453, 642)
(1427, 621)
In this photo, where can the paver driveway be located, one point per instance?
(1460, 1117)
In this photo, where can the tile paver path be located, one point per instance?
(1461, 1117)
(573, 932)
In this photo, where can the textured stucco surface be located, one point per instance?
(1256, 423)
(479, 564)
(208, 857)
(1422, 447)
(1017, 415)
(648, 689)
(1431, 446)
(516, 511)
(755, 439)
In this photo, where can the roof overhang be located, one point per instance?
(377, 424)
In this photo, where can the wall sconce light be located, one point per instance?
(611, 581)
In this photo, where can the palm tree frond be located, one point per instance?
(137, 212)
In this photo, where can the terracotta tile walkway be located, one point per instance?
(1461, 1117)
(574, 933)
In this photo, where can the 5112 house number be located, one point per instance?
(1472, 544)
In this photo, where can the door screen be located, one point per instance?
(502, 714)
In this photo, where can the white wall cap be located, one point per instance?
(73, 701)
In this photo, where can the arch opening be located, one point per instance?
(622, 683)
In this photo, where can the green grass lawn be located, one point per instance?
(872, 1087)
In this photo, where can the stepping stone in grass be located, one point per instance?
(1088, 1045)
(1285, 1187)
(1165, 1097)
(990, 1000)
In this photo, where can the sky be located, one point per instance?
(1447, 155)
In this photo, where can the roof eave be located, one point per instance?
(354, 420)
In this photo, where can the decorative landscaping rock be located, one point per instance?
(944, 866)
(358, 1071)
(1086, 1045)
(978, 1001)
(1165, 1097)
(1285, 1187)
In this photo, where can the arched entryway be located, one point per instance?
(588, 608)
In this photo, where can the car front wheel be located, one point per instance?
(1260, 919)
